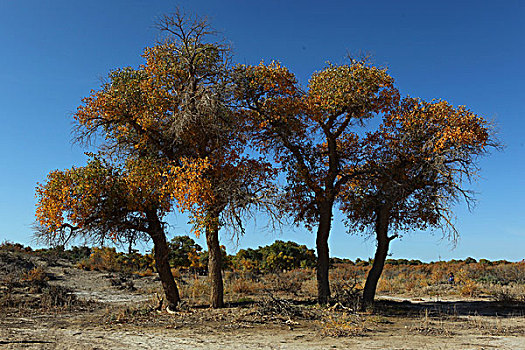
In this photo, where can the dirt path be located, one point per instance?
(85, 338)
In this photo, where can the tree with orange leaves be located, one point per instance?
(418, 163)
(101, 201)
(313, 136)
(178, 108)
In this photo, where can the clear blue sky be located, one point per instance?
(467, 52)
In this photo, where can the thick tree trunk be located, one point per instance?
(323, 255)
(161, 261)
(215, 264)
(383, 242)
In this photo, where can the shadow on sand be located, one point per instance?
(452, 308)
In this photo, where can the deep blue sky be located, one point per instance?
(467, 52)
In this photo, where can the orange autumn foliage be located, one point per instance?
(420, 161)
(102, 198)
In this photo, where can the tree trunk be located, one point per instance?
(130, 244)
(383, 242)
(323, 255)
(161, 261)
(215, 264)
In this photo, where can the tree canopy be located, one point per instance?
(178, 108)
(181, 249)
(188, 131)
(312, 134)
(108, 201)
(419, 164)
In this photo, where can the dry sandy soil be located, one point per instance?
(120, 315)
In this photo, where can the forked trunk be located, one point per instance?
(215, 264)
(383, 242)
(323, 255)
(162, 263)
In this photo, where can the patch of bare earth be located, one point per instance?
(113, 311)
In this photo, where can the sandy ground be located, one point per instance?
(116, 320)
(58, 334)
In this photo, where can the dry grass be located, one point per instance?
(242, 287)
(431, 326)
(501, 281)
(195, 290)
(343, 325)
(289, 282)
(512, 293)
(31, 291)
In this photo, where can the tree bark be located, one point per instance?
(383, 242)
(323, 254)
(161, 261)
(215, 264)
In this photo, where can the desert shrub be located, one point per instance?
(510, 293)
(36, 278)
(403, 277)
(348, 272)
(309, 288)
(14, 247)
(346, 284)
(395, 284)
(53, 255)
(286, 282)
(76, 254)
(485, 262)
(426, 325)
(360, 262)
(17, 264)
(122, 282)
(135, 262)
(438, 275)
(470, 260)
(197, 290)
(128, 314)
(57, 297)
(469, 289)
(507, 273)
(342, 325)
(438, 290)
(31, 290)
(108, 259)
(244, 286)
(101, 259)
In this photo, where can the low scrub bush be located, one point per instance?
(57, 297)
(286, 282)
(512, 293)
(36, 279)
(108, 259)
(342, 325)
(243, 286)
(197, 290)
